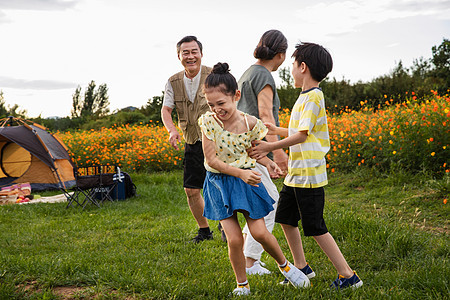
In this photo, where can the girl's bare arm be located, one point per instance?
(209, 150)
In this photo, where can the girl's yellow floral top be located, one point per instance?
(230, 147)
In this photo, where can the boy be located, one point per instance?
(302, 197)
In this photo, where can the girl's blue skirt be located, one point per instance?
(225, 194)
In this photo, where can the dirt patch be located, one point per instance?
(67, 292)
(74, 292)
(433, 229)
(28, 287)
(64, 292)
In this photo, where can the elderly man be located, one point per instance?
(184, 93)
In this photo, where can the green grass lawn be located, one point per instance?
(393, 232)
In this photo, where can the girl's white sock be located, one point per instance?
(242, 283)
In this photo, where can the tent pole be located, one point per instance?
(55, 171)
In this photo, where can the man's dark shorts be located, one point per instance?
(194, 169)
(305, 204)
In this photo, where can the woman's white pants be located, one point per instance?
(252, 248)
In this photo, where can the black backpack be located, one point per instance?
(130, 187)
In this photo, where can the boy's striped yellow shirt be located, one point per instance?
(307, 165)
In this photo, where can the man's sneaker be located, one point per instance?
(296, 277)
(222, 233)
(257, 268)
(306, 270)
(242, 290)
(341, 282)
(202, 236)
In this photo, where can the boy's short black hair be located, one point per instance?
(188, 39)
(316, 57)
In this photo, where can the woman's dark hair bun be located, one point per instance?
(264, 52)
(221, 68)
(271, 43)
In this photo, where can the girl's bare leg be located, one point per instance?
(235, 243)
(265, 238)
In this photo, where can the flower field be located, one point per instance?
(137, 148)
(413, 136)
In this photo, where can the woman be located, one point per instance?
(259, 98)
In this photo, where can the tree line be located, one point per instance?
(422, 77)
(90, 110)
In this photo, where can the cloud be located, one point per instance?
(392, 45)
(343, 17)
(3, 18)
(42, 5)
(23, 84)
(440, 8)
(37, 4)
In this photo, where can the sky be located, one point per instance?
(50, 47)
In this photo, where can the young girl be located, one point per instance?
(230, 186)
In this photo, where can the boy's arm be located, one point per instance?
(209, 150)
(261, 148)
(274, 130)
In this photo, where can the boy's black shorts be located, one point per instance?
(193, 165)
(304, 204)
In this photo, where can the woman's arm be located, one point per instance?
(265, 109)
(274, 170)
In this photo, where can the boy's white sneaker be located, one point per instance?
(257, 268)
(296, 277)
(242, 290)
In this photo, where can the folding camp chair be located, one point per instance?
(94, 184)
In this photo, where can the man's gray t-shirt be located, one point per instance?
(250, 84)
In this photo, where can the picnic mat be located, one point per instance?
(49, 199)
